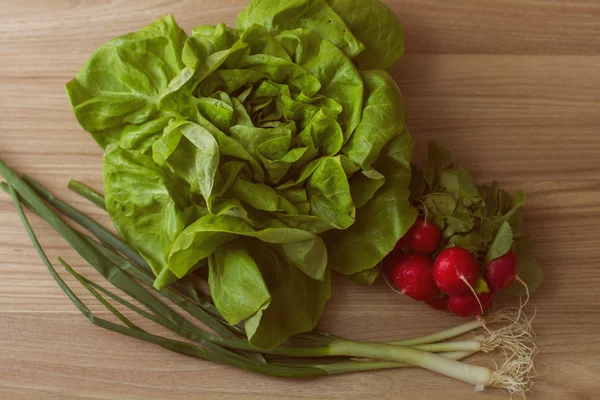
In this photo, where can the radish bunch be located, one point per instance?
(468, 243)
(448, 281)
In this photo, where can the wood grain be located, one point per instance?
(513, 86)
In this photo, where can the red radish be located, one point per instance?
(468, 306)
(455, 271)
(439, 303)
(501, 272)
(413, 276)
(423, 237)
(400, 244)
(391, 261)
(390, 265)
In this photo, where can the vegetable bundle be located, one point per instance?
(260, 158)
(467, 244)
(269, 155)
(486, 220)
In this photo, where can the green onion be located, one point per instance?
(88, 193)
(101, 233)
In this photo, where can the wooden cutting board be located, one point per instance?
(512, 86)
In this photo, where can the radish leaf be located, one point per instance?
(530, 272)
(460, 221)
(471, 241)
(502, 242)
(440, 204)
(438, 159)
(485, 220)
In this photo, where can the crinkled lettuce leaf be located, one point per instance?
(377, 27)
(147, 205)
(314, 15)
(115, 95)
(297, 301)
(237, 286)
(366, 31)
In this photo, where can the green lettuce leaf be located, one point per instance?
(297, 301)
(192, 153)
(339, 79)
(382, 119)
(366, 31)
(236, 284)
(200, 239)
(366, 277)
(383, 220)
(146, 204)
(377, 27)
(115, 96)
(314, 15)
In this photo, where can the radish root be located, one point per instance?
(462, 278)
(389, 282)
(483, 324)
(522, 282)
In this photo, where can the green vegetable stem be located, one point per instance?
(88, 193)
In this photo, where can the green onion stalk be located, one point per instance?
(305, 355)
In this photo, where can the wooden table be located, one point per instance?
(512, 86)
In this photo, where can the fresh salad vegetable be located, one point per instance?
(265, 156)
(423, 237)
(470, 305)
(455, 271)
(501, 272)
(252, 162)
(413, 276)
(475, 234)
(440, 302)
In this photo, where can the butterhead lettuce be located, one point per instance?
(270, 154)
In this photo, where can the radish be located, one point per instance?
(468, 306)
(390, 265)
(501, 272)
(412, 275)
(439, 303)
(455, 271)
(423, 237)
(400, 243)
